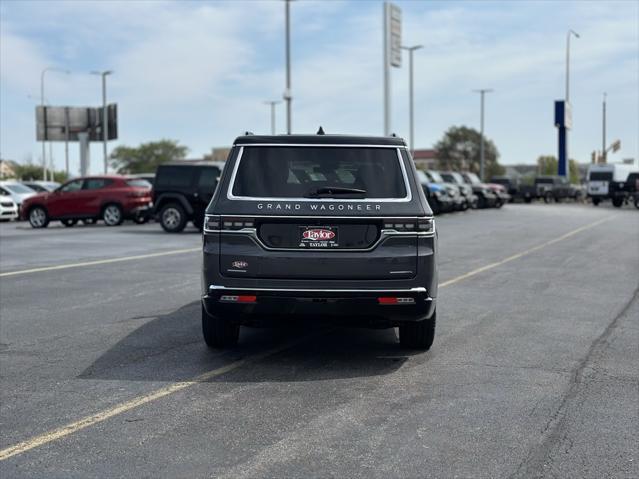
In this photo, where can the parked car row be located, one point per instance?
(178, 192)
(548, 188)
(449, 191)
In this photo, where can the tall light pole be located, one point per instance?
(570, 33)
(482, 92)
(44, 114)
(603, 129)
(563, 158)
(411, 113)
(287, 93)
(272, 103)
(105, 119)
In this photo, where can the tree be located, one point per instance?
(548, 165)
(459, 149)
(30, 171)
(146, 157)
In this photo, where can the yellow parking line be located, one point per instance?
(99, 261)
(87, 421)
(135, 402)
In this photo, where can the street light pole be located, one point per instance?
(44, 117)
(411, 113)
(105, 119)
(482, 93)
(603, 130)
(564, 129)
(570, 32)
(287, 94)
(272, 103)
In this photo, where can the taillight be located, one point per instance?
(211, 223)
(216, 223)
(230, 223)
(423, 225)
(138, 194)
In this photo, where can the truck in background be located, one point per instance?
(608, 182)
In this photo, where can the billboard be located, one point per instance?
(63, 123)
(394, 29)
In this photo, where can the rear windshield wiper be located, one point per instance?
(334, 190)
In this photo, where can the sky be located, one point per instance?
(199, 72)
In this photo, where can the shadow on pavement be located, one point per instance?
(171, 348)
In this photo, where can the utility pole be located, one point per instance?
(105, 118)
(603, 130)
(272, 103)
(482, 93)
(287, 93)
(411, 113)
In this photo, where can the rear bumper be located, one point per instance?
(143, 211)
(345, 305)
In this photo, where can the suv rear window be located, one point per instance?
(297, 172)
(174, 176)
(601, 176)
(139, 183)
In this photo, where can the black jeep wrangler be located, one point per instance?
(318, 226)
(181, 192)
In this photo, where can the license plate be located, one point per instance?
(318, 237)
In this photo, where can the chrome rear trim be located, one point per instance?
(418, 290)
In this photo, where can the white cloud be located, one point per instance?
(199, 71)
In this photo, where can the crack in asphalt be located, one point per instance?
(553, 432)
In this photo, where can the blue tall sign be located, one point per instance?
(563, 122)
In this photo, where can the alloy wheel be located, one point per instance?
(37, 217)
(112, 215)
(171, 218)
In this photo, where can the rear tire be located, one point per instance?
(69, 223)
(419, 334)
(219, 332)
(637, 201)
(173, 218)
(547, 197)
(595, 201)
(140, 220)
(38, 217)
(112, 215)
(617, 202)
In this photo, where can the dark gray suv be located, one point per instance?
(319, 226)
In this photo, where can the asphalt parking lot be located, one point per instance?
(533, 372)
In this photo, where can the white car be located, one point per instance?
(16, 191)
(8, 208)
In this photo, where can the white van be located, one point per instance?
(607, 181)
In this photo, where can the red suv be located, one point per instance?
(109, 198)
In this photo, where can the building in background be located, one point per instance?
(7, 169)
(218, 154)
(426, 159)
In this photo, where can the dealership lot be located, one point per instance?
(533, 371)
